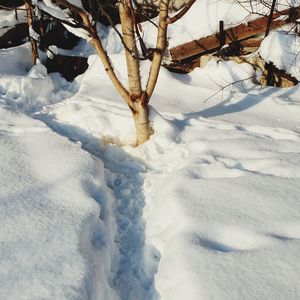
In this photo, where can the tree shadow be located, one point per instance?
(225, 107)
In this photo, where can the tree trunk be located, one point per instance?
(138, 100)
(131, 51)
(141, 122)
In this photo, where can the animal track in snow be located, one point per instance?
(289, 231)
(275, 166)
(12, 129)
(231, 238)
(207, 169)
(273, 133)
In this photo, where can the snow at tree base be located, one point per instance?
(208, 208)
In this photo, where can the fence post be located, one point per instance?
(222, 35)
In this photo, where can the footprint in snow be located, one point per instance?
(272, 133)
(285, 232)
(229, 239)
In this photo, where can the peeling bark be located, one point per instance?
(141, 122)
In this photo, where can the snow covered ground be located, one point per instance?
(8, 19)
(207, 209)
(204, 16)
(57, 228)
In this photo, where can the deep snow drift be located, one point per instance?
(56, 241)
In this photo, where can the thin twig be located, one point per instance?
(226, 86)
(181, 13)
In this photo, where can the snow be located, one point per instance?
(208, 208)
(52, 9)
(214, 215)
(64, 15)
(286, 54)
(8, 19)
(221, 194)
(52, 194)
(204, 16)
(11, 62)
(82, 33)
(25, 86)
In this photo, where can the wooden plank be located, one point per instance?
(251, 42)
(240, 32)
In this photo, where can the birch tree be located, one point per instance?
(136, 97)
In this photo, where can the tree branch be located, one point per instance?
(181, 13)
(96, 42)
(131, 51)
(161, 44)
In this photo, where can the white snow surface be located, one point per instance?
(57, 228)
(221, 193)
(282, 48)
(208, 208)
(203, 19)
(8, 19)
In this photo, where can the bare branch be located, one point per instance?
(161, 45)
(96, 42)
(181, 13)
(226, 86)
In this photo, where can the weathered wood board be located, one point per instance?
(238, 33)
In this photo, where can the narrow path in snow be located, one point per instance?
(124, 175)
(132, 279)
(133, 276)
